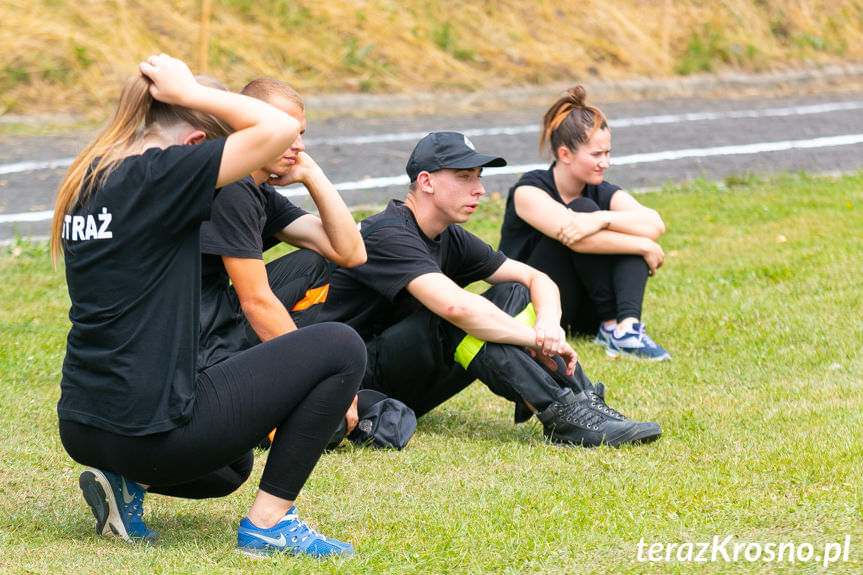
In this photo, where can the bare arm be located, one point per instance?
(263, 132)
(334, 235)
(631, 217)
(626, 217)
(544, 295)
(482, 319)
(264, 311)
(610, 242)
(618, 231)
(471, 312)
(548, 216)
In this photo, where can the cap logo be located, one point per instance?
(469, 144)
(365, 425)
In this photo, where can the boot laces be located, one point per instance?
(579, 413)
(597, 403)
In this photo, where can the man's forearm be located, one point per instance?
(482, 319)
(337, 220)
(546, 299)
(268, 319)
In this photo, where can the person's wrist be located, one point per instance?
(313, 175)
(609, 216)
(646, 246)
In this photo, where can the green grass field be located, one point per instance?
(759, 301)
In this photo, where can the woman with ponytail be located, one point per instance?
(595, 240)
(132, 406)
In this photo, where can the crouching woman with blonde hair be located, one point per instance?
(132, 406)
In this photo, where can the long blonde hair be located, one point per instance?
(136, 113)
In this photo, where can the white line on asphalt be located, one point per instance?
(26, 217)
(666, 156)
(29, 166)
(618, 123)
(738, 114)
(826, 108)
(669, 155)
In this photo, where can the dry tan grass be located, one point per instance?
(70, 56)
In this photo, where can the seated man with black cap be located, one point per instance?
(428, 338)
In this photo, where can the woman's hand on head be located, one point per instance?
(170, 78)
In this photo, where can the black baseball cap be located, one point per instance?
(440, 150)
(384, 422)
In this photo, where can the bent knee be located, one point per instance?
(583, 204)
(343, 342)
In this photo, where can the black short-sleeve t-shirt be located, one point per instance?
(244, 222)
(372, 297)
(245, 219)
(132, 256)
(517, 237)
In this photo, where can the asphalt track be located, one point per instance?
(655, 141)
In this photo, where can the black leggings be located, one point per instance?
(301, 383)
(593, 287)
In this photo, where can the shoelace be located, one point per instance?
(579, 413)
(134, 508)
(306, 530)
(598, 403)
(134, 511)
(643, 338)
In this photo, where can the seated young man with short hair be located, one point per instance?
(427, 337)
(245, 302)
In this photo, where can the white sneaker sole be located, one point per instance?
(100, 497)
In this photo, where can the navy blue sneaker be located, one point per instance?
(635, 342)
(290, 535)
(117, 504)
(603, 335)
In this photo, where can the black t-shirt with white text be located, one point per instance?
(133, 269)
(245, 219)
(517, 237)
(372, 297)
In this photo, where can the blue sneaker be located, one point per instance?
(117, 504)
(290, 535)
(635, 342)
(603, 335)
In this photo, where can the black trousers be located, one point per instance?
(593, 287)
(295, 279)
(414, 362)
(301, 383)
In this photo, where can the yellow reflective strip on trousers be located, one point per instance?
(470, 345)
